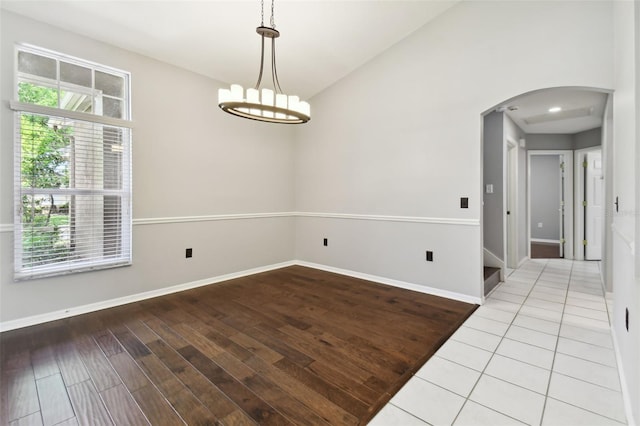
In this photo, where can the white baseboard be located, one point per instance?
(394, 283)
(92, 307)
(111, 303)
(542, 240)
(523, 261)
(623, 381)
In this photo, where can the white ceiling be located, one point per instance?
(582, 109)
(320, 42)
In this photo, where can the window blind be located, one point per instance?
(73, 195)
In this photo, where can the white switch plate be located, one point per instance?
(539, 224)
(489, 188)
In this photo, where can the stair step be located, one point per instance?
(491, 278)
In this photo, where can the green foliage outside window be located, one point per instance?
(44, 165)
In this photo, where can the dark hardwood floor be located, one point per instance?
(545, 250)
(290, 346)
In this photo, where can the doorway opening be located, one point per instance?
(566, 126)
(550, 193)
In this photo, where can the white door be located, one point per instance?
(594, 209)
(561, 204)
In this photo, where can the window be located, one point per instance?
(72, 165)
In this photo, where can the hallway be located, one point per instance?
(539, 352)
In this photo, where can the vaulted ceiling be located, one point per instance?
(321, 42)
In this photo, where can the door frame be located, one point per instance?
(568, 201)
(510, 202)
(579, 158)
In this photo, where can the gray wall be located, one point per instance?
(545, 196)
(493, 163)
(549, 142)
(552, 141)
(588, 138)
(384, 175)
(190, 161)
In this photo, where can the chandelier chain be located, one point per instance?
(273, 22)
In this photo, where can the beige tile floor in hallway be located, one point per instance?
(538, 352)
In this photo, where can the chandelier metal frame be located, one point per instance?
(268, 105)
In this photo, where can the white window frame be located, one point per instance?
(125, 193)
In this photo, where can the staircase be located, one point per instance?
(491, 278)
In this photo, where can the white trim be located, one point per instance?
(490, 259)
(568, 195)
(380, 218)
(8, 227)
(626, 398)
(542, 240)
(394, 283)
(208, 218)
(510, 200)
(628, 241)
(523, 261)
(74, 115)
(92, 307)
(412, 219)
(578, 183)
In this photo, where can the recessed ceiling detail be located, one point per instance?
(560, 115)
(581, 110)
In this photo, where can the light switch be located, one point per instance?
(489, 189)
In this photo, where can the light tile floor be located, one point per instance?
(538, 352)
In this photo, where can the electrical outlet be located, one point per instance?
(325, 242)
(626, 318)
(429, 256)
(464, 202)
(188, 253)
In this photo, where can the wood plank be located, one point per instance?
(326, 409)
(130, 342)
(331, 392)
(44, 361)
(19, 394)
(142, 332)
(285, 403)
(87, 405)
(108, 343)
(255, 407)
(155, 407)
(98, 367)
(123, 409)
(210, 395)
(34, 419)
(192, 411)
(289, 346)
(159, 374)
(54, 400)
(129, 372)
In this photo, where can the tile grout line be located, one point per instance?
(555, 351)
(494, 352)
(409, 413)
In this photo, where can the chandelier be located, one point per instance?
(270, 105)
